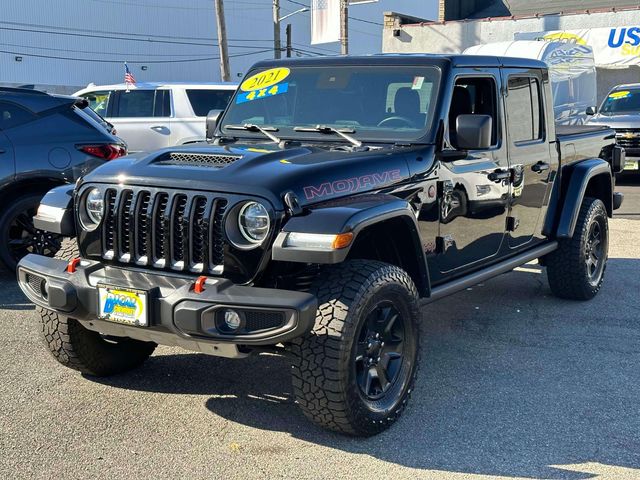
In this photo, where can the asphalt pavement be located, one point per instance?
(513, 383)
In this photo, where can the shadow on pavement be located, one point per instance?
(512, 382)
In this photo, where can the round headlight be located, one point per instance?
(93, 209)
(253, 222)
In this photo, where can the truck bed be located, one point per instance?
(580, 142)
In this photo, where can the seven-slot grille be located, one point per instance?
(162, 229)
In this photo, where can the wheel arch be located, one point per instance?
(29, 185)
(384, 228)
(589, 178)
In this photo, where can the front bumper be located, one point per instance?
(177, 314)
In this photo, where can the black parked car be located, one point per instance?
(45, 141)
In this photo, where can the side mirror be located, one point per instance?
(473, 132)
(212, 121)
(592, 110)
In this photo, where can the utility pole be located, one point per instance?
(277, 47)
(288, 34)
(344, 27)
(225, 74)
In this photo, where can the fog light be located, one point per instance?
(232, 319)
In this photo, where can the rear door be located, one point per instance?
(529, 155)
(142, 117)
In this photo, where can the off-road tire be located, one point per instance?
(84, 350)
(324, 373)
(567, 270)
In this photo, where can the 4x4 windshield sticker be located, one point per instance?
(262, 93)
(264, 79)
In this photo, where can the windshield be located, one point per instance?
(387, 103)
(622, 101)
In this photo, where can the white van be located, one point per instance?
(149, 116)
(572, 73)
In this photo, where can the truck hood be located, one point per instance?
(313, 173)
(627, 121)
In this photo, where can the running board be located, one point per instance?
(485, 274)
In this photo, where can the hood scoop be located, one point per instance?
(210, 160)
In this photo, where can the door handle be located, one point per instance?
(2, 150)
(540, 167)
(499, 175)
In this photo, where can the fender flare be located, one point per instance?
(56, 211)
(354, 216)
(574, 192)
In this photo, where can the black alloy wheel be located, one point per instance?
(19, 237)
(379, 352)
(594, 254)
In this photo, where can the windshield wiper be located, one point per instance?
(252, 127)
(327, 129)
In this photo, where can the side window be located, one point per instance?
(12, 115)
(474, 95)
(99, 101)
(143, 103)
(204, 100)
(523, 104)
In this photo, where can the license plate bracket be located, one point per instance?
(127, 306)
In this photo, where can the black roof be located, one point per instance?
(408, 59)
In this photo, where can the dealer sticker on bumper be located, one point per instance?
(122, 305)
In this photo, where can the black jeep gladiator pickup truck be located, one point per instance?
(335, 196)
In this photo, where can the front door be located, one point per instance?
(531, 161)
(143, 118)
(474, 190)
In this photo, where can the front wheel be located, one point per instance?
(354, 372)
(576, 269)
(84, 350)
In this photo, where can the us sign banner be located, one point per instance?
(611, 46)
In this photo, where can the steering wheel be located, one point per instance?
(407, 122)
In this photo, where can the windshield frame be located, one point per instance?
(635, 90)
(423, 135)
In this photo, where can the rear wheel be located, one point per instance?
(354, 372)
(18, 236)
(84, 350)
(576, 269)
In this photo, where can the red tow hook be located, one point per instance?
(198, 287)
(73, 264)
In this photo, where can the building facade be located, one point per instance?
(403, 35)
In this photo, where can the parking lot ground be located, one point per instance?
(513, 383)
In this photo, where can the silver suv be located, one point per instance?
(620, 110)
(150, 116)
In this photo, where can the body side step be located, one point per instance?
(485, 274)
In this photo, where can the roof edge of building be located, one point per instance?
(595, 11)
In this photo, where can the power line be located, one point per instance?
(100, 53)
(212, 43)
(130, 34)
(145, 62)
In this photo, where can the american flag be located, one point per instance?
(129, 79)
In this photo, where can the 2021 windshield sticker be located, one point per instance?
(264, 84)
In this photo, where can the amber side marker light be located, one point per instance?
(318, 241)
(342, 240)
